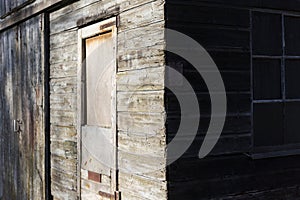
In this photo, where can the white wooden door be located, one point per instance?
(97, 113)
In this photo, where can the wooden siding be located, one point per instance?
(22, 155)
(140, 73)
(223, 28)
(8, 5)
(27, 10)
(225, 34)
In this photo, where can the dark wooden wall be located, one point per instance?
(8, 5)
(223, 28)
(21, 97)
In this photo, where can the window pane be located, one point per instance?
(292, 33)
(292, 123)
(267, 34)
(267, 79)
(292, 74)
(268, 124)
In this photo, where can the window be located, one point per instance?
(276, 80)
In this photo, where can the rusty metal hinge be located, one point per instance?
(115, 196)
(118, 21)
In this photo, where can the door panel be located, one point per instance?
(97, 149)
(22, 147)
(99, 73)
(7, 183)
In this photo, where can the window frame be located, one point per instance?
(279, 150)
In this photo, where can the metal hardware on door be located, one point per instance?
(17, 126)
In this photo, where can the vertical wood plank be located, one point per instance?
(21, 79)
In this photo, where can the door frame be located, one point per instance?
(47, 124)
(85, 33)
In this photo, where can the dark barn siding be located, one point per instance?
(7, 6)
(224, 29)
(21, 90)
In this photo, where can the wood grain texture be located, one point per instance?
(36, 8)
(140, 77)
(22, 155)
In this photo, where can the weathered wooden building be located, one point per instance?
(86, 114)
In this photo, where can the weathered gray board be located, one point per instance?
(21, 97)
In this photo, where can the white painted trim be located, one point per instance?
(79, 120)
(98, 28)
